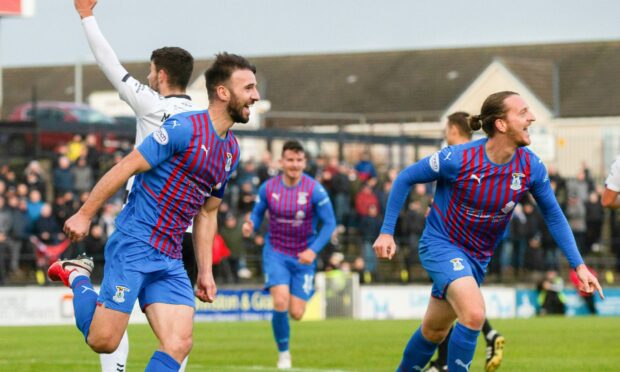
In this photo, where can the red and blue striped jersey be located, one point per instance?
(294, 213)
(475, 198)
(189, 163)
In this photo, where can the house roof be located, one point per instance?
(386, 86)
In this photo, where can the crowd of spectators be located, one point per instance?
(36, 200)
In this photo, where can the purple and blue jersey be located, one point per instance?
(475, 198)
(189, 163)
(294, 213)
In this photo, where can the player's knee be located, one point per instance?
(178, 347)
(434, 334)
(281, 303)
(103, 344)
(473, 318)
(297, 314)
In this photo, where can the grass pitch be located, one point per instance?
(540, 344)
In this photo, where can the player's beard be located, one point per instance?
(235, 110)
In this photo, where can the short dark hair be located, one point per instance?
(222, 69)
(492, 109)
(294, 146)
(177, 62)
(459, 120)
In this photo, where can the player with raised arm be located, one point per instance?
(478, 185)
(457, 131)
(163, 97)
(296, 203)
(182, 170)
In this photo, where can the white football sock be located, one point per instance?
(116, 361)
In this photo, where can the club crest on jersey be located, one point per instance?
(218, 186)
(456, 264)
(119, 296)
(161, 136)
(302, 198)
(228, 162)
(516, 181)
(300, 215)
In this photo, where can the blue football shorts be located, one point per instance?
(445, 263)
(282, 269)
(135, 270)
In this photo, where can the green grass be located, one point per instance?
(540, 344)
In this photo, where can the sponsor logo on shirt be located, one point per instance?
(161, 136)
(228, 162)
(434, 162)
(300, 215)
(508, 207)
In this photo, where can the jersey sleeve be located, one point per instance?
(323, 208)
(613, 179)
(260, 206)
(140, 97)
(552, 213)
(171, 138)
(439, 165)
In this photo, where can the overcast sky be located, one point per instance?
(277, 27)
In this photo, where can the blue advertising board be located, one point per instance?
(241, 304)
(527, 303)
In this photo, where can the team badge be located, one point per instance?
(456, 264)
(119, 296)
(218, 186)
(300, 215)
(161, 136)
(302, 198)
(228, 162)
(516, 181)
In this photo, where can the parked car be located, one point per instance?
(57, 122)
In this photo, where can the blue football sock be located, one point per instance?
(417, 352)
(84, 303)
(281, 329)
(162, 362)
(461, 348)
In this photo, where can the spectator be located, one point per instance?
(6, 242)
(82, 175)
(233, 238)
(364, 200)
(267, 168)
(34, 208)
(594, 221)
(576, 215)
(35, 177)
(411, 227)
(364, 168)
(93, 156)
(551, 298)
(20, 232)
(370, 227)
(246, 198)
(75, 148)
(46, 228)
(63, 177)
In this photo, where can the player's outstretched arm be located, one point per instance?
(205, 228)
(77, 226)
(104, 54)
